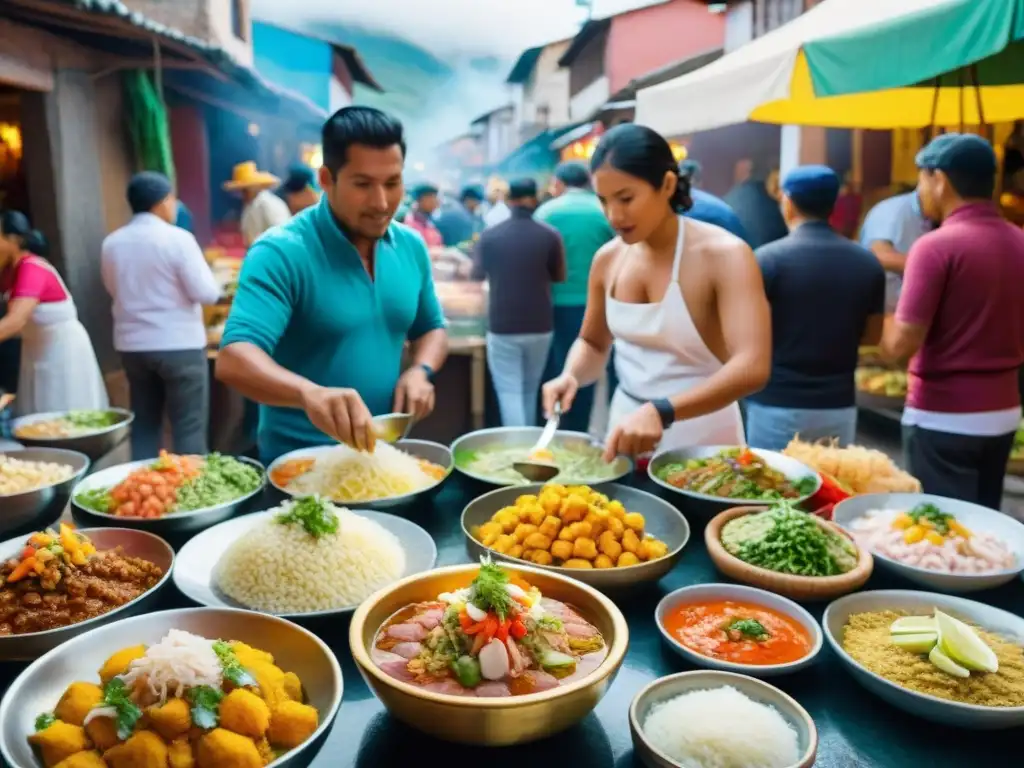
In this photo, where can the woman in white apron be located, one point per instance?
(58, 369)
(682, 301)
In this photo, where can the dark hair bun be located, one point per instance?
(36, 243)
(681, 200)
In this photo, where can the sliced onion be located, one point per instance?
(475, 613)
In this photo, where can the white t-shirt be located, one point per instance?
(498, 213)
(265, 211)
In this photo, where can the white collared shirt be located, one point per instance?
(498, 213)
(267, 210)
(158, 278)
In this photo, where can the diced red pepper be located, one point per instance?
(464, 621)
(518, 629)
(490, 627)
(745, 458)
(503, 629)
(27, 552)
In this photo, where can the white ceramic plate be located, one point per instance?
(197, 560)
(923, 603)
(751, 595)
(975, 517)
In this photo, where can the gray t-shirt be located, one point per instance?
(896, 220)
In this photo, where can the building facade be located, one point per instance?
(543, 89)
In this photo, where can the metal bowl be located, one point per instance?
(295, 649)
(176, 524)
(708, 506)
(504, 438)
(923, 705)
(95, 445)
(482, 721)
(664, 522)
(135, 544)
(667, 688)
(751, 596)
(435, 453)
(977, 518)
(198, 559)
(40, 507)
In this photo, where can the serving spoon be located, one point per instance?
(392, 427)
(538, 468)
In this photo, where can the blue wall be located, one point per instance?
(293, 61)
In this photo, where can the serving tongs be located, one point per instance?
(539, 466)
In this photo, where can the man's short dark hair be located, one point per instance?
(358, 125)
(472, 192)
(522, 189)
(573, 174)
(423, 190)
(971, 184)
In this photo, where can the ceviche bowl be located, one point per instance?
(40, 507)
(487, 455)
(662, 521)
(174, 524)
(435, 453)
(94, 443)
(136, 544)
(942, 573)
(488, 720)
(708, 505)
(38, 688)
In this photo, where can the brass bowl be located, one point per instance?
(492, 722)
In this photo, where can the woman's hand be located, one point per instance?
(638, 433)
(560, 390)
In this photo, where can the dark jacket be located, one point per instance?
(457, 225)
(521, 258)
(714, 210)
(758, 212)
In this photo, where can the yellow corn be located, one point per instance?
(913, 534)
(902, 521)
(959, 529)
(935, 538)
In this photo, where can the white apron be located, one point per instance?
(659, 353)
(58, 370)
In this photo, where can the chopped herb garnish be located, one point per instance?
(45, 720)
(234, 672)
(115, 694)
(490, 591)
(932, 514)
(751, 628)
(314, 514)
(205, 701)
(549, 623)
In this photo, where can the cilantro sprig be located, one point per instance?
(45, 720)
(234, 672)
(115, 695)
(205, 701)
(751, 628)
(489, 590)
(314, 514)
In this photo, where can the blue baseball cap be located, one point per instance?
(962, 153)
(812, 187)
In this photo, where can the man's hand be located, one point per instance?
(341, 414)
(414, 393)
(639, 433)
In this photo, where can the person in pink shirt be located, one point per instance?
(420, 218)
(58, 369)
(960, 320)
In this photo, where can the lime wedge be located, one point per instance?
(913, 625)
(963, 645)
(921, 642)
(946, 664)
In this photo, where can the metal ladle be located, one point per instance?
(541, 471)
(392, 427)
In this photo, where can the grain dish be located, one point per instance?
(734, 473)
(59, 578)
(927, 537)
(18, 476)
(571, 527)
(184, 701)
(309, 556)
(174, 484)
(498, 636)
(721, 728)
(349, 476)
(72, 424)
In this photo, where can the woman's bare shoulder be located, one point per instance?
(712, 242)
(607, 255)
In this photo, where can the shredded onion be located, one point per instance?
(179, 661)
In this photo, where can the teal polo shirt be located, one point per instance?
(306, 300)
(578, 217)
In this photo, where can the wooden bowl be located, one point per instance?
(794, 587)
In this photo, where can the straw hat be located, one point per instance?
(247, 176)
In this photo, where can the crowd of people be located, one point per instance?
(689, 304)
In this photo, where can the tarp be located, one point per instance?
(858, 64)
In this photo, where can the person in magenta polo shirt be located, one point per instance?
(960, 318)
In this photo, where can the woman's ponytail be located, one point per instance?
(681, 200)
(36, 243)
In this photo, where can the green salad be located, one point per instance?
(786, 540)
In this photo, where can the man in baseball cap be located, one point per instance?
(960, 320)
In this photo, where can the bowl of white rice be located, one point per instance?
(303, 559)
(712, 719)
(35, 486)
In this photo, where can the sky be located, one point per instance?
(501, 27)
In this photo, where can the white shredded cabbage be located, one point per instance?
(179, 661)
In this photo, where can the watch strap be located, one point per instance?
(664, 408)
(427, 370)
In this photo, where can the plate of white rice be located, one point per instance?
(271, 562)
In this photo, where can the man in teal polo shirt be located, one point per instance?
(575, 212)
(326, 302)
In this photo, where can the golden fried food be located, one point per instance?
(172, 720)
(89, 759)
(143, 749)
(221, 748)
(291, 724)
(59, 741)
(571, 527)
(246, 713)
(76, 702)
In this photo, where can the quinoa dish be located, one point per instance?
(184, 701)
(59, 578)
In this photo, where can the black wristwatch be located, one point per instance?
(427, 370)
(664, 408)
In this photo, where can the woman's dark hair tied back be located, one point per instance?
(36, 243)
(15, 223)
(645, 154)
